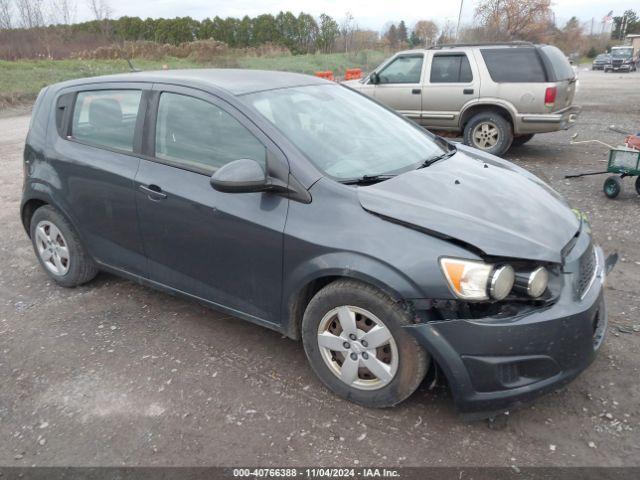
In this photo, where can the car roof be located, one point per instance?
(233, 81)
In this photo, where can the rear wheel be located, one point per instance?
(612, 186)
(638, 185)
(354, 339)
(490, 132)
(59, 250)
(521, 140)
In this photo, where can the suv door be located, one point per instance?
(225, 248)
(94, 159)
(453, 81)
(400, 85)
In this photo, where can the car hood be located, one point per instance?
(481, 200)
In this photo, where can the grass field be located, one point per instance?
(21, 80)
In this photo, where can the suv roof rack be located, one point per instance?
(482, 44)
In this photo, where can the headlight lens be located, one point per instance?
(473, 280)
(502, 282)
(538, 281)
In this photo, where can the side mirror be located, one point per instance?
(241, 176)
(374, 78)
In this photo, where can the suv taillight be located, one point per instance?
(550, 96)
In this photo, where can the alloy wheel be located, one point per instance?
(486, 135)
(52, 248)
(358, 348)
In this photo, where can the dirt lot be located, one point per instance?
(117, 374)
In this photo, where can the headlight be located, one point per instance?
(473, 280)
(532, 283)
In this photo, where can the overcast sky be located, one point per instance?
(368, 13)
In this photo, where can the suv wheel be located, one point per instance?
(59, 250)
(354, 339)
(490, 132)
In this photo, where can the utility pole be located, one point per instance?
(459, 17)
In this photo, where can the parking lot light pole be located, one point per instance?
(459, 17)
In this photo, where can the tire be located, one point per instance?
(489, 132)
(638, 185)
(521, 140)
(612, 186)
(404, 362)
(52, 236)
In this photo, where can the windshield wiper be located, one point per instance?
(436, 158)
(368, 179)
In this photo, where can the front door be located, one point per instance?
(400, 85)
(225, 248)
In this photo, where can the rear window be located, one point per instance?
(558, 64)
(514, 65)
(106, 118)
(450, 69)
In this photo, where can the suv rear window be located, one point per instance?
(106, 118)
(514, 65)
(450, 69)
(558, 63)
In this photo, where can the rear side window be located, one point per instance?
(195, 133)
(559, 65)
(514, 65)
(106, 118)
(405, 69)
(450, 69)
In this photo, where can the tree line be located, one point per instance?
(46, 28)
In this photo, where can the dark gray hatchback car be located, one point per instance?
(305, 207)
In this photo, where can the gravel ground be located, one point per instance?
(113, 373)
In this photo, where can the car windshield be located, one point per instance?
(622, 52)
(345, 134)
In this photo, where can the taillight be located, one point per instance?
(550, 96)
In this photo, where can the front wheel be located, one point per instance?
(490, 132)
(612, 186)
(638, 185)
(354, 339)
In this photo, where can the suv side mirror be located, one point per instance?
(241, 176)
(374, 78)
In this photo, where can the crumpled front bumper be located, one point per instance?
(493, 365)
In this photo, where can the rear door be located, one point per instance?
(94, 158)
(225, 248)
(452, 82)
(400, 84)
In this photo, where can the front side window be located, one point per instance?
(343, 133)
(450, 69)
(200, 135)
(405, 69)
(106, 118)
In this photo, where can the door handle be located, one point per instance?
(416, 91)
(153, 191)
(468, 91)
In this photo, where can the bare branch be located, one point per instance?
(6, 14)
(30, 13)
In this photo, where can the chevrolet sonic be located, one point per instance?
(305, 207)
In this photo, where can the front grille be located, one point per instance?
(586, 271)
(616, 63)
